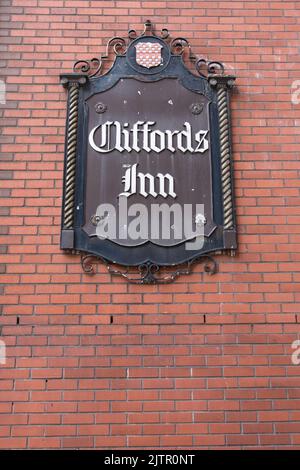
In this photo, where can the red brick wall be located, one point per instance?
(201, 363)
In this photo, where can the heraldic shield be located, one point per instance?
(148, 54)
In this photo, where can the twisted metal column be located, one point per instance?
(225, 157)
(71, 156)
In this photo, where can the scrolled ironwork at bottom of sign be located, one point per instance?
(148, 272)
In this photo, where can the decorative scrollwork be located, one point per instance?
(89, 67)
(205, 68)
(148, 272)
(94, 66)
(215, 68)
(165, 33)
(148, 29)
(132, 34)
(119, 47)
(178, 45)
(87, 263)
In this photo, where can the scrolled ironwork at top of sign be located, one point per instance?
(118, 46)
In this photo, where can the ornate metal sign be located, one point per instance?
(148, 172)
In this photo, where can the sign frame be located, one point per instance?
(148, 263)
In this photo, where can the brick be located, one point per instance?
(176, 441)
(78, 442)
(143, 441)
(13, 442)
(105, 442)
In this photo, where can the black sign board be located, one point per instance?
(148, 172)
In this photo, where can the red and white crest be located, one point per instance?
(148, 54)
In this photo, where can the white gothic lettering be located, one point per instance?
(112, 135)
(147, 184)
